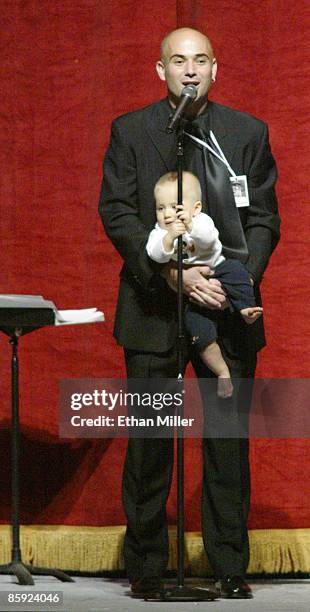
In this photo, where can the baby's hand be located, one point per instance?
(184, 216)
(176, 228)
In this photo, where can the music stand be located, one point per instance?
(20, 315)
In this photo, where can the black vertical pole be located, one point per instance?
(16, 566)
(16, 552)
(181, 592)
(180, 440)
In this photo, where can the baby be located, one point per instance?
(201, 246)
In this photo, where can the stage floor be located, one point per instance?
(104, 594)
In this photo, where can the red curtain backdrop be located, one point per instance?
(67, 68)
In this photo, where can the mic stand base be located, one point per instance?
(184, 593)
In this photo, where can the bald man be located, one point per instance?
(139, 153)
(187, 58)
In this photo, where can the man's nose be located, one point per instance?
(190, 67)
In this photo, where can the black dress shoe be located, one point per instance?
(234, 587)
(148, 587)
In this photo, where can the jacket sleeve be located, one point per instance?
(119, 207)
(262, 228)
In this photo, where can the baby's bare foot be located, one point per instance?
(250, 315)
(224, 387)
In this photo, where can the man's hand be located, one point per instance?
(201, 290)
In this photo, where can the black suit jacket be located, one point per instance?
(139, 153)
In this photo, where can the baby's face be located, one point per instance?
(167, 203)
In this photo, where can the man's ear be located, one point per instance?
(214, 70)
(160, 69)
(197, 208)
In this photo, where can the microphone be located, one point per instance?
(189, 93)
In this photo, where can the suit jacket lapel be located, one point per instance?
(221, 203)
(225, 133)
(156, 128)
(166, 143)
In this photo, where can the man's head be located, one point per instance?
(166, 197)
(187, 58)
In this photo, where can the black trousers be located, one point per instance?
(226, 477)
(235, 280)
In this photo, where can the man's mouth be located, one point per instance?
(195, 83)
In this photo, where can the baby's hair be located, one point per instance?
(172, 177)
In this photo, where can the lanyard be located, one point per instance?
(220, 155)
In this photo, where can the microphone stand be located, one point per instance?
(181, 592)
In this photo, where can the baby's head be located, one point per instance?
(166, 197)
